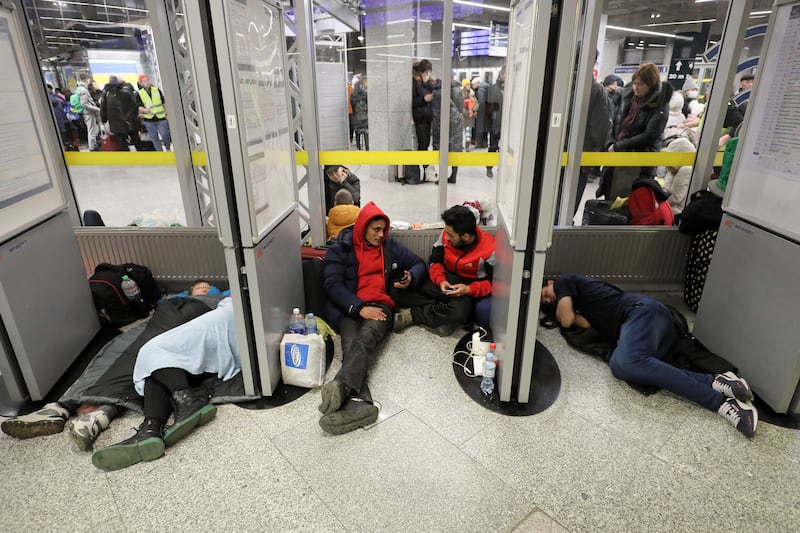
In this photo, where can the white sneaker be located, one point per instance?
(48, 420)
(86, 428)
(430, 173)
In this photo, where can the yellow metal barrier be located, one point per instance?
(404, 157)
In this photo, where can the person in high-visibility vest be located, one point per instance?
(153, 114)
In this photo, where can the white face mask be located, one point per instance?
(691, 94)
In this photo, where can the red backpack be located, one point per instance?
(646, 210)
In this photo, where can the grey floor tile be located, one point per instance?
(225, 476)
(424, 383)
(762, 471)
(539, 522)
(49, 485)
(402, 476)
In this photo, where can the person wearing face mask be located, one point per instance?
(690, 103)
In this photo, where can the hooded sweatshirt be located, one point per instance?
(371, 278)
(340, 217)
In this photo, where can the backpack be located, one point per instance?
(646, 210)
(113, 308)
(75, 103)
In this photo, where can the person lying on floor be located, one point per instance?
(93, 418)
(364, 271)
(167, 368)
(644, 332)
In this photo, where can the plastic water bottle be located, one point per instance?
(487, 383)
(131, 289)
(311, 324)
(297, 324)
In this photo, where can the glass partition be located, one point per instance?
(106, 88)
(681, 41)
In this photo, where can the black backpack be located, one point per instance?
(113, 308)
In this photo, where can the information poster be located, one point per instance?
(263, 115)
(765, 185)
(515, 97)
(23, 171)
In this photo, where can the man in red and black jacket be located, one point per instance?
(460, 269)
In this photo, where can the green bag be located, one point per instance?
(727, 162)
(75, 103)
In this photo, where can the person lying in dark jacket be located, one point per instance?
(364, 269)
(644, 332)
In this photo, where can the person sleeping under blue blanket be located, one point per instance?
(166, 369)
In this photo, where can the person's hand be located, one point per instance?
(459, 289)
(369, 312)
(404, 282)
(428, 97)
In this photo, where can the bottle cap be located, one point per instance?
(492, 346)
(125, 278)
(310, 315)
(296, 310)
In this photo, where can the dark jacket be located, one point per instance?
(58, 111)
(483, 110)
(358, 99)
(421, 110)
(456, 137)
(352, 184)
(598, 122)
(341, 266)
(643, 134)
(118, 108)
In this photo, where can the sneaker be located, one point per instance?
(48, 420)
(333, 395)
(402, 320)
(741, 415)
(84, 430)
(430, 173)
(356, 413)
(732, 386)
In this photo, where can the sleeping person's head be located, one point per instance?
(199, 287)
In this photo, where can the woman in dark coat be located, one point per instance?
(358, 100)
(638, 124)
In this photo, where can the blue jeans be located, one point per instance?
(159, 133)
(647, 334)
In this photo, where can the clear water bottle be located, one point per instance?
(297, 324)
(487, 383)
(311, 324)
(131, 289)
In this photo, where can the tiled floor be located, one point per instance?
(602, 458)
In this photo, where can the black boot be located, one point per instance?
(357, 411)
(453, 175)
(190, 412)
(146, 445)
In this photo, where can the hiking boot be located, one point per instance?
(402, 320)
(146, 445)
(48, 420)
(333, 395)
(86, 428)
(732, 386)
(356, 413)
(741, 415)
(190, 412)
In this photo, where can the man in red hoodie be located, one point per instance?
(364, 272)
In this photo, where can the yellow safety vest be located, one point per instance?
(156, 107)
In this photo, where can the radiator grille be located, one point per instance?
(173, 254)
(652, 258)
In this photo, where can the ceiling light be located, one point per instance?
(474, 26)
(484, 6)
(645, 32)
(755, 13)
(678, 22)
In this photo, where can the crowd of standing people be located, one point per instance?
(114, 118)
